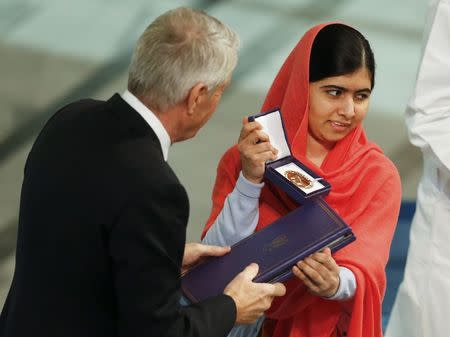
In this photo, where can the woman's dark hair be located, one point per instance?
(338, 50)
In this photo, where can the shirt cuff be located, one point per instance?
(347, 285)
(247, 188)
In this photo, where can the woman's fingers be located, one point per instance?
(255, 150)
(317, 276)
(260, 153)
(306, 280)
(315, 272)
(326, 259)
(255, 137)
(247, 129)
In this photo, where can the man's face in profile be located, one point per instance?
(207, 105)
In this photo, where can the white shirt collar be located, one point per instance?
(151, 119)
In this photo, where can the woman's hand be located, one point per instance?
(320, 273)
(255, 149)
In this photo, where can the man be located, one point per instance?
(103, 217)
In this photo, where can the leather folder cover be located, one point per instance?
(276, 249)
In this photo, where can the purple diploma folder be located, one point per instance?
(276, 249)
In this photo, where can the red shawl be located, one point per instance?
(366, 192)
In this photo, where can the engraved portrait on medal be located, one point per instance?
(299, 179)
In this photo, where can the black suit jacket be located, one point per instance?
(101, 235)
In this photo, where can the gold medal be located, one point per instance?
(299, 179)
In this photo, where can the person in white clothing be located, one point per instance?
(420, 308)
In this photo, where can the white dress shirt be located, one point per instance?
(151, 119)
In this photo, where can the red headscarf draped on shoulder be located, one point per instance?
(366, 192)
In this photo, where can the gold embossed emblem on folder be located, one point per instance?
(298, 179)
(279, 241)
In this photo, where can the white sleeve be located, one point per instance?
(428, 111)
(239, 215)
(347, 285)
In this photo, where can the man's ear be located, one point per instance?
(195, 96)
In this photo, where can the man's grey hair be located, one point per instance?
(178, 50)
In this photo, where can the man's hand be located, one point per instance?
(252, 299)
(255, 149)
(320, 273)
(195, 252)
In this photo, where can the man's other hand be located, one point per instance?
(195, 252)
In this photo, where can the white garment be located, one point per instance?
(152, 120)
(423, 299)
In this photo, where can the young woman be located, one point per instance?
(323, 91)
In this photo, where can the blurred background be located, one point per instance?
(53, 52)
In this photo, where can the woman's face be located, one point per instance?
(337, 105)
